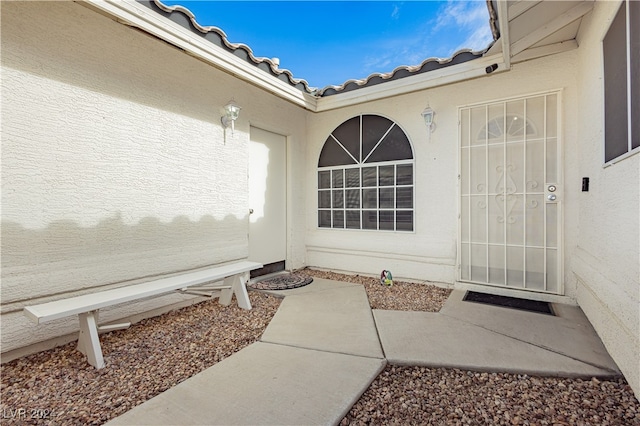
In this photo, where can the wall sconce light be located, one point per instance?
(427, 114)
(231, 113)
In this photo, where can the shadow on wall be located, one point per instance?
(65, 258)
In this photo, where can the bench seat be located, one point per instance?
(235, 276)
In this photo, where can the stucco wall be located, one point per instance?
(606, 261)
(430, 252)
(115, 166)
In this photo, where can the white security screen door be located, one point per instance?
(267, 197)
(511, 195)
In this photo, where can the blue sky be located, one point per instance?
(330, 42)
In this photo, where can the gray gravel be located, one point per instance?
(61, 388)
(439, 396)
(419, 396)
(402, 296)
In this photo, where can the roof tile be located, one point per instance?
(185, 18)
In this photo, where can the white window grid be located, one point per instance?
(337, 209)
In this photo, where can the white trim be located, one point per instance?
(563, 192)
(541, 51)
(619, 158)
(520, 7)
(556, 24)
(453, 74)
(510, 98)
(630, 150)
(503, 22)
(444, 261)
(629, 94)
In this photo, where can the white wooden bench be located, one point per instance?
(235, 276)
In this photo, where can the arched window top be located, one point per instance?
(511, 124)
(365, 177)
(365, 139)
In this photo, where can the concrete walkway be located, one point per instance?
(325, 346)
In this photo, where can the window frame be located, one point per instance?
(360, 166)
(630, 149)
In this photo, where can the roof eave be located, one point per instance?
(135, 15)
(456, 73)
(129, 12)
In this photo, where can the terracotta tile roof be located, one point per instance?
(402, 71)
(185, 18)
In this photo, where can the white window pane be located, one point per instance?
(338, 199)
(404, 198)
(387, 199)
(352, 178)
(404, 174)
(404, 220)
(387, 220)
(324, 219)
(324, 180)
(337, 178)
(369, 176)
(386, 175)
(353, 219)
(353, 199)
(369, 219)
(338, 219)
(370, 198)
(324, 199)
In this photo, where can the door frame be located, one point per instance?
(281, 264)
(504, 289)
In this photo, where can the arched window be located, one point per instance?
(514, 125)
(365, 176)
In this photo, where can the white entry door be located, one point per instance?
(267, 197)
(511, 195)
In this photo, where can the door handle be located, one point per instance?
(551, 197)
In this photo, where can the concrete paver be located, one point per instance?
(335, 320)
(568, 333)
(324, 347)
(263, 384)
(436, 340)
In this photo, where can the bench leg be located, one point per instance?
(237, 284)
(88, 340)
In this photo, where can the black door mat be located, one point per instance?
(509, 302)
(282, 282)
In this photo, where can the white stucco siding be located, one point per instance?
(606, 263)
(429, 253)
(115, 166)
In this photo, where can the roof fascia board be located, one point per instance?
(505, 39)
(453, 74)
(135, 15)
(551, 27)
(550, 49)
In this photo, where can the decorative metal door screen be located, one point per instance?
(511, 194)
